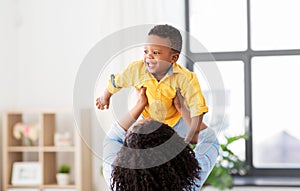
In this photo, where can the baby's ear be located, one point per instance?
(175, 57)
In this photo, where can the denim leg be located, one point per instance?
(181, 128)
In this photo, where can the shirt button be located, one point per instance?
(157, 90)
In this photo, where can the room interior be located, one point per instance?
(245, 53)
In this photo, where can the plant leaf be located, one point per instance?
(235, 138)
(219, 178)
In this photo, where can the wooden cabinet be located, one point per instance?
(44, 152)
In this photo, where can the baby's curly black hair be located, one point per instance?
(175, 173)
(168, 31)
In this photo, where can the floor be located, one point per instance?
(255, 188)
(278, 184)
(244, 188)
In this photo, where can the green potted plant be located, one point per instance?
(228, 164)
(63, 174)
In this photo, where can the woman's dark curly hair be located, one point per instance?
(175, 173)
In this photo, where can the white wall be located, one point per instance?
(8, 61)
(8, 56)
(43, 43)
(53, 39)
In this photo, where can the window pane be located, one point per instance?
(275, 110)
(219, 25)
(233, 123)
(274, 24)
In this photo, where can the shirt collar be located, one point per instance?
(170, 71)
(176, 68)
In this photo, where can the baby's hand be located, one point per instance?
(102, 103)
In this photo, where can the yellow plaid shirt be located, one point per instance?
(160, 94)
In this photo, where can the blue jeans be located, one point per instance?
(181, 128)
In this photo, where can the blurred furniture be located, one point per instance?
(45, 152)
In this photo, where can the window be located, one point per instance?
(219, 25)
(233, 122)
(275, 98)
(256, 47)
(274, 24)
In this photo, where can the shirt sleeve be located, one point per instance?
(124, 79)
(206, 151)
(112, 143)
(191, 91)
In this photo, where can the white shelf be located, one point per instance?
(45, 152)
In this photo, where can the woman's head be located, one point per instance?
(176, 174)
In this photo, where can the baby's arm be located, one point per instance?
(118, 81)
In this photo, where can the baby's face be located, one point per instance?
(158, 56)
